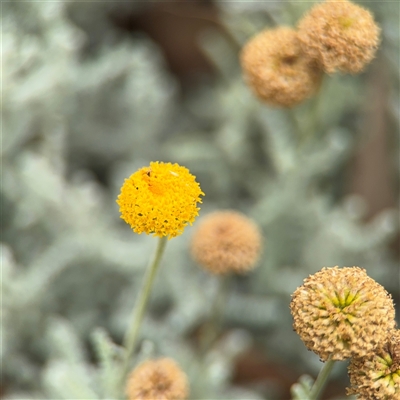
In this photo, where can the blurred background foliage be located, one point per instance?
(91, 91)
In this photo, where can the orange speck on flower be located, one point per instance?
(160, 199)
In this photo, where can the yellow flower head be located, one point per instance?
(377, 376)
(342, 313)
(340, 35)
(160, 379)
(160, 199)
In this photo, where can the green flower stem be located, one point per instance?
(212, 328)
(322, 379)
(132, 332)
(312, 129)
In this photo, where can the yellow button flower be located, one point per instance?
(160, 199)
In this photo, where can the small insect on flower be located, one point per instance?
(146, 172)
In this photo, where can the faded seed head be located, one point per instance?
(226, 242)
(277, 70)
(340, 35)
(157, 379)
(341, 313)
(377, 376)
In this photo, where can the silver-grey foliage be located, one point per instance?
(71, 268)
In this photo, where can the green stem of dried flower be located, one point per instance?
(322, 379)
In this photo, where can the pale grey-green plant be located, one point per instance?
(70, 268)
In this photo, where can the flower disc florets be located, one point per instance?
(377, 376)
(160, 199)
(277, 70)
(226, 242)
(157, 380)
(341, 313)
(340, 35)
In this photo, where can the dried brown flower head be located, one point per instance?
(277, 70)
(160, 379)
(342, 312)
(340, 35)
(377, 376)
(226, 241)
